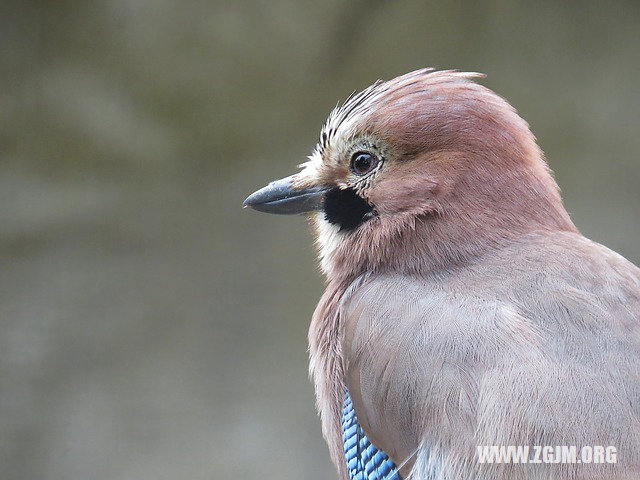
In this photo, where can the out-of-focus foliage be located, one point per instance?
(150, 328)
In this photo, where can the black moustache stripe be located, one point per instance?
(346, 208)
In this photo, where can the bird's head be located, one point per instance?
(419, 172)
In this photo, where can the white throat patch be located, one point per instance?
(328, 240)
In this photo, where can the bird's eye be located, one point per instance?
(363, 163)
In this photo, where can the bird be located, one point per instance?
(463, 308)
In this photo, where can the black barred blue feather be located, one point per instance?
(364, 460)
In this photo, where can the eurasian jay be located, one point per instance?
(463, 308)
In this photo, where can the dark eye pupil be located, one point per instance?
(362, 163)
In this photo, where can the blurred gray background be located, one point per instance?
(152, 329)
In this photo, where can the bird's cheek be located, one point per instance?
(392, 197)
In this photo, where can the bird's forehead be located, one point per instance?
(345, 121)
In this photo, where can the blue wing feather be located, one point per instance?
(364, 460)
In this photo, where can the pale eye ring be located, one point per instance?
(363, 163)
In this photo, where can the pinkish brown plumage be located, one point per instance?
(463, 307)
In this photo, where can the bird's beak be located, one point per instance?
(282, 197)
